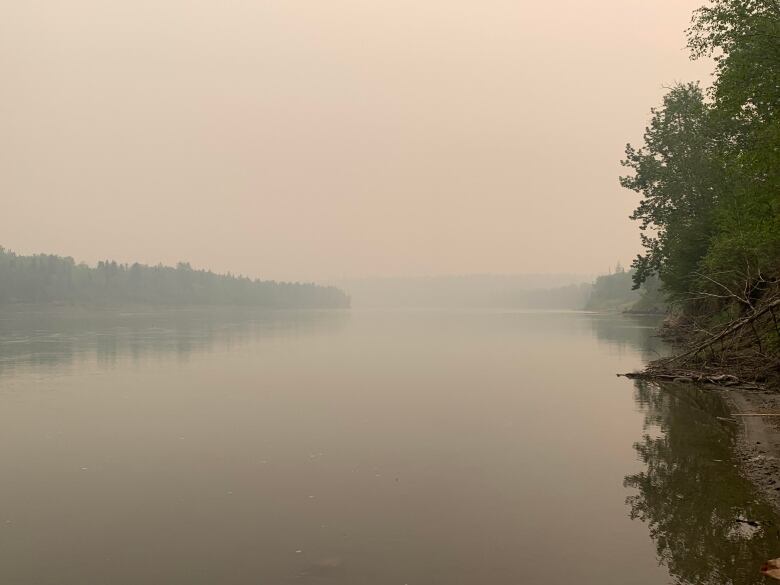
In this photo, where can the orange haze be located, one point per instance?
(297, 139)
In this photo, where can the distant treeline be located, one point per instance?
(615, 292)
(44, 278)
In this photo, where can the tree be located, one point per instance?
(709, 169)
(743, 37)
(680, 177)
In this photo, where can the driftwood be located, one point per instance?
(722, 380)
(737, 363)
(730, 330)
(759, 414)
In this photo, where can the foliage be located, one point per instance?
(678, 174)
(653, 299)
(709, 169)
(614, 292)
(46, 278)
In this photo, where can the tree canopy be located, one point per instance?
(708, 171)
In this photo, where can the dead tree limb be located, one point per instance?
(735, 327)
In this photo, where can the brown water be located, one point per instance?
(407, 447)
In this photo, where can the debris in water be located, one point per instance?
(771, 569)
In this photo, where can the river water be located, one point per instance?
(359, 448)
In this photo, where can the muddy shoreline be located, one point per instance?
(758, 444)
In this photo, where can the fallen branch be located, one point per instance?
(759, 414)
(721, 380)
(736, 326)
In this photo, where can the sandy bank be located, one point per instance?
(759, 442)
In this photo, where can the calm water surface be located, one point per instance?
(413, 447)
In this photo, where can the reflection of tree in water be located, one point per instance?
(636, 332)
(691, 493)
(53, 338)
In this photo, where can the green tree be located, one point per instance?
(709, 169)
(743, 37)
(680, 177)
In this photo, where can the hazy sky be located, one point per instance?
(317, 139)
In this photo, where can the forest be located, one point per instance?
(615, 292)
(708, 173)
(44, 278)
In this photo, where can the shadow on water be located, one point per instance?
(49, 338)
(691, 494)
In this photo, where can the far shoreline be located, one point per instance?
(119, 308)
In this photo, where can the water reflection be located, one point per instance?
(49, 339)
(629, 332)
(372, 447)
(691, 493)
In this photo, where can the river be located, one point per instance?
(413, 447)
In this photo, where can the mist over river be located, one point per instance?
(417, 447)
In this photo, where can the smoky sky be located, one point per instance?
(322, 139)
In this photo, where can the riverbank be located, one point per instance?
(756, 413)
(740, 363)
(758, 446)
